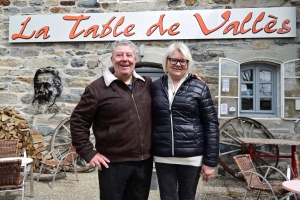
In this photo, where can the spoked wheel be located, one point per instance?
(61, 139)
(231, 146)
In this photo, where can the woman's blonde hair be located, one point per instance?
(182, 48)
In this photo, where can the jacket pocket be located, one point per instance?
(111, 135)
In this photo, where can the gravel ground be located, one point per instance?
(67, 188)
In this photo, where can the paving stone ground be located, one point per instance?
(67, 188)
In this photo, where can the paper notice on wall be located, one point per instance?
(224, 109)
(243, 87)
(225, 84)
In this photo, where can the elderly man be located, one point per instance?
(118, 107)
(47, 87)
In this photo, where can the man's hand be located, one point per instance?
(99, 159)
(199, 78)
(207, 172)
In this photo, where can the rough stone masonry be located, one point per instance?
(76, 64)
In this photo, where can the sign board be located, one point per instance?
(157, 25)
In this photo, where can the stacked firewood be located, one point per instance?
(13, 126)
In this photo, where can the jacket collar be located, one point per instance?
(109, 77)
(164, 78)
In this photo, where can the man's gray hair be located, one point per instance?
(124, 42)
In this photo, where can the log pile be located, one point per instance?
(13, 126)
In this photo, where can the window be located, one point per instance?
(290, 93)
(153, 72)
(259, 90)
(258, 84)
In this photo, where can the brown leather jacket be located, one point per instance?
(120, 119)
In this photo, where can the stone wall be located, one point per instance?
(77, 64)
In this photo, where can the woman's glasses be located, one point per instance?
(174, 61)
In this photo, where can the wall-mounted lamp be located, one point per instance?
(142, 50)
(295, 2)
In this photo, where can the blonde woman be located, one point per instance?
(185, 140)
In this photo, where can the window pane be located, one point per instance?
(290, 109)
(265, 104)
(233, 84)
(247, 89)
(247, 75)
(292, 87)
(265, 89)
(229, 68)
(247, 104)
(264, 75)
(292, 69)
(231, 102)
(258, 89)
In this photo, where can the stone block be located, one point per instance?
(4, 2)
(78, 62)
(8, 98)
(36, 3)
(20, 3)
(89, 4)
(31, 10)
(92, 64)
(59, 10)
(52, 2)
(67, 3)
(46, 62)
(3, 72)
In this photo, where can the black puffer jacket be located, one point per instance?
(189, 126)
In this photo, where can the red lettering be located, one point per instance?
(173, 28)
(20, 34)
(157, 25)
(270, 25)
(285, 28)
(258, 19)
(106, 28)
(205, 30)
(43, 31)
(234, 26)
(119, 23)
(92, 29)
(247, 19)
(78, 20)
(128, 29)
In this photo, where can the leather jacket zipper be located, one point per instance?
(141, 136)
(141, 131)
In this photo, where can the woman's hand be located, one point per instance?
(207, 172)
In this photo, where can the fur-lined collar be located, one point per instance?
(109, 77)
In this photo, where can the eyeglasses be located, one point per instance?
(174, 61)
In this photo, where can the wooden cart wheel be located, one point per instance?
(231, 146)
(61, 139)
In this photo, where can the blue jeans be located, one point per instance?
(177, 181)
(126, 180)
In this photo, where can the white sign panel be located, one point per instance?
(158, 25)
(224, 109)
(225, 84)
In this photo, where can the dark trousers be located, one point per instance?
(126, 180)
(177, 181)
